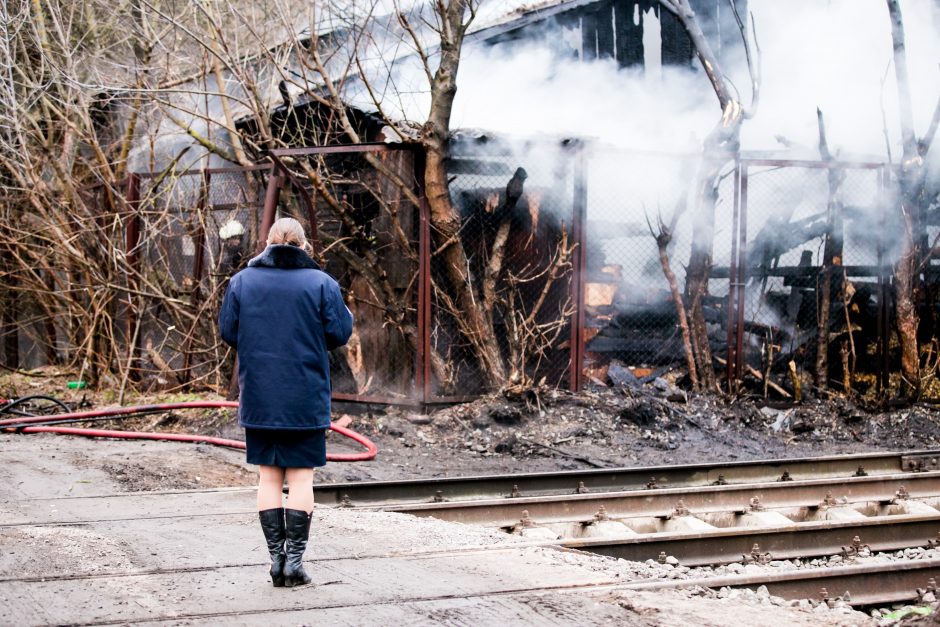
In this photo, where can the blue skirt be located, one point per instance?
(286, 448)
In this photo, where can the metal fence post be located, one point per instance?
(741, 279)
(199, 251)
(132, 254)
(731, 356)
(199, 243)
(578, 263)
(270, 206)
(423, 373)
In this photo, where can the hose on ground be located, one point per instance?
(10, 406)
(49, 424)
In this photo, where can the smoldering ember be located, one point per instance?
(644, 302)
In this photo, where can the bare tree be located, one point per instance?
(721, 146)
(663, 237)
(82, 250)
(913, 206)
(331, 74)
(454, 20)
(61, 170)
(173, 86)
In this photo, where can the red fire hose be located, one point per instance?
(49, 423)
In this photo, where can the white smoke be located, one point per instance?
(530, 89)
(834, 55)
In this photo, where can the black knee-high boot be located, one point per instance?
(298, 530)
(275, 533)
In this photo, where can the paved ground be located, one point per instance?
(77, 548)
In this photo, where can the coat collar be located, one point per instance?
(283, 256)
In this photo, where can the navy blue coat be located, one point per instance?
(283, 314)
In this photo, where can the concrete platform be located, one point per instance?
(96, 555)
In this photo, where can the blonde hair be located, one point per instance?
(287, 231)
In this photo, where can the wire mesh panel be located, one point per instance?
(813, 244)
(196, 230)
(641, 215)
(550, 249)
(231, 222)
(516, 207)
(359, 209)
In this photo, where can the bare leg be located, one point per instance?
(270, 485)
(300, 489)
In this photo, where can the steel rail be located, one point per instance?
(619, 479)
(875, 584)
(799, 540)
(662, 503)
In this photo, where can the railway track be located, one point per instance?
(105, 556)
(710, 515)
(368, 493)
(705, 516)
(867, 585)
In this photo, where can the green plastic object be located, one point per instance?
(76, 385)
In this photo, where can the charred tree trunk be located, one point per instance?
(663, 238)
(445, 219)
(913, 244)
(908, 318)
(700, 261)
(721, 146)
(832, 258)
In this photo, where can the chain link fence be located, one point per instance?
(817, 242)
(517, 202)
(359, 209)
(372, 232)
(800, 273)
(641, 215)
(575, 258)
(187, 234)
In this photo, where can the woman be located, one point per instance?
(283, 314)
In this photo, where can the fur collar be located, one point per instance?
(283, 256)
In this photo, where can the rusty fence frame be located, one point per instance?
(738, 269)
(278, 175)
(132, 199)
(423, 379)
(282, 175)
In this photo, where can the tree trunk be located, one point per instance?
(445, 219)
(722, 144)
(832, 258)
(696, 287)
(700, 259)
(911, 182)
(908, 318)
(453, 258)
